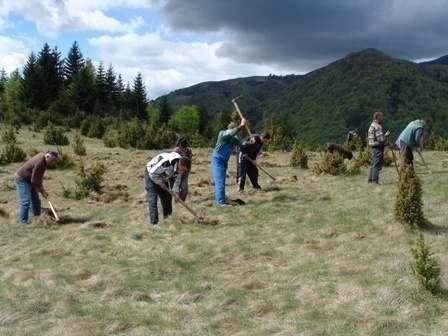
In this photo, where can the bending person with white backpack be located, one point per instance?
(158, 173)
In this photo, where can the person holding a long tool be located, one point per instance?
(411, 138)
(249, 150)
(29, 183)
(227, 139)
(158, 173)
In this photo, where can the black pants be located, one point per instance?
(153, 191)
(243, 167)
(377, 164)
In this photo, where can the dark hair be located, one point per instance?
(232, 124)
(185, 162)
(182, 142)
(377, 114)
(53, 154)
(266, 135)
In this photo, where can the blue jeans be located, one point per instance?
(27, 196)
(219, 169)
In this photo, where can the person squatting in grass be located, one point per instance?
(29, 183)
(183, 149)
(342, 150)
(250, 148)
(411, 138)
(158, 173)
(377, 141)
(227, 139)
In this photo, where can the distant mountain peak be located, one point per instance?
(441, 60)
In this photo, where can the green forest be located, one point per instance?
(321, 106)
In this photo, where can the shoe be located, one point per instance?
(155, 227)
(222, 205)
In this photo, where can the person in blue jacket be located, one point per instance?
(227, 139)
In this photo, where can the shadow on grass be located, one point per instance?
(431, 228)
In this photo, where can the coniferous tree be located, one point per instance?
(164, 110)
(73, 63)
(82, 88)
(51, 75)
(112, 89)
(3, 80)
(139, 93)
(101, 90)
(127, 103)
(32, 83)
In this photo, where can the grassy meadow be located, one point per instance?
(310, 255)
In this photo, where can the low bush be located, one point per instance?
(330, 163)
(55, 136)
(298, 156)
(425, 266)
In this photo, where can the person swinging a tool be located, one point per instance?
(227, 139)
(248, 153)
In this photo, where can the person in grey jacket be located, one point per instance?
(158, 173)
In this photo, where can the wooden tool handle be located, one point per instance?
(53, 211)
(261, 168)
(241, 115)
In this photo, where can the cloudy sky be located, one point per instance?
(177, 43)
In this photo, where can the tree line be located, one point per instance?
(73, 93)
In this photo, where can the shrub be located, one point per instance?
(298, 157)
(11, 152)
(330, 163)
(93, 127)
(79, 148)
(9, 134)
(363, 157)
(408, 203)
(111, 138)
(55, 136)
(199, 141)
(425, 266)
(87, 181)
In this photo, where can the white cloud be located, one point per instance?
(168, 65)
(53, 16)
(13, 53)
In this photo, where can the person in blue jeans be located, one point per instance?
(28, 180)
(227, 139)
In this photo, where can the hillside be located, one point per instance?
(324, 104)
(343, 95)
(216, 97)
(309, 255)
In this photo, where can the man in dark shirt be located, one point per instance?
(28, 180)
(249, 150)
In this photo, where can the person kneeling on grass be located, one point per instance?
(158, 173)
(249, 150)
(29, 183)
(220, 158)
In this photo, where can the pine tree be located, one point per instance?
(13, 93)
(112, 89)
(32, 83)
(82, 88)
(165, 110)
(3, 80)
(408, 202)
(50, 74)
(127, 103)
(139, 93)
(74, 62)
(101, 89)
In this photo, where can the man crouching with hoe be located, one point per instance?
(29, 183)
(158, 173)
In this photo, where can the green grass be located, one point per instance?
(320, 256)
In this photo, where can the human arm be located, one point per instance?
(419, 139)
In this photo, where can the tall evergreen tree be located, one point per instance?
(127, 103)
(112, 89)
(51, 74)
(165, 110)
(73, 63)
(3, 80)
(82, 88)
(140, 100)
(101, 89)
(32, 83)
